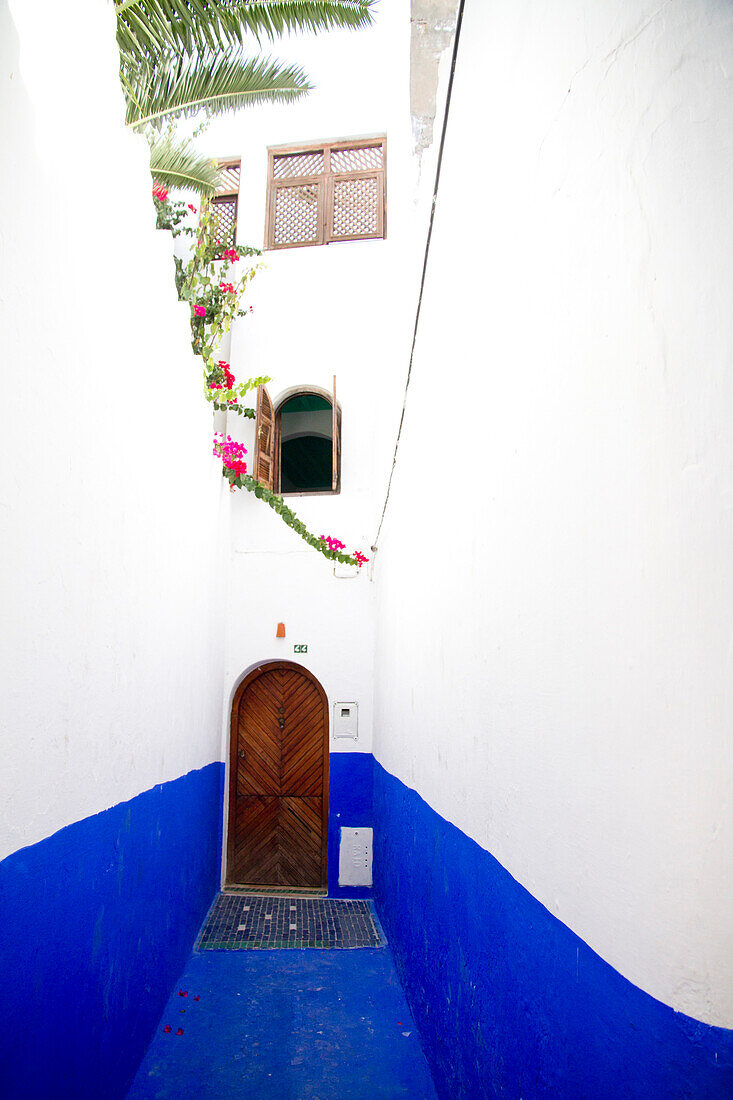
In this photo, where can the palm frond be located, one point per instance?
(146, 28)
(176, 164)
(180, 87)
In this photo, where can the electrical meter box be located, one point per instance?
(346, 720)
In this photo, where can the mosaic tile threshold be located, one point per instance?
(278, 891)
(239, 922)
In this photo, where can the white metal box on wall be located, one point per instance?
(355, 857)
(346, 720)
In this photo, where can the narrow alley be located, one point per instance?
(366, 690)
(286, 1022)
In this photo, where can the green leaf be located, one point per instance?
(180, 86)
(146, 28)
(176, 164)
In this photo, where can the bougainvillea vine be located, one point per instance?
(215, 303)
(239, 479)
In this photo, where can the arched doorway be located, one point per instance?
(278, 779)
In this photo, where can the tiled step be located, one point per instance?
(238, 922)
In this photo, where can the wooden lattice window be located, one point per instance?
(224, 202)
(332, 191)
(298, 441)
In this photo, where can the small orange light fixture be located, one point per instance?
(280, 632)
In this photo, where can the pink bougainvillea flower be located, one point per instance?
(228, 376)
(231, 453)
(182, 992)
(200, 311)
(360, 558)
(159, 192)
(229, 380)
(180, 1031)
(192, 207)
(227, 287)
(197, 998)
(333, 544)
(167, 1028)
(231, 254)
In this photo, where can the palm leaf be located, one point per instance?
(146, 28)
(176, 164)
(180, 87)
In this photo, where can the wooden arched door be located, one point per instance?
(278, 779)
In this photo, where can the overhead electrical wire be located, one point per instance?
(456, 39)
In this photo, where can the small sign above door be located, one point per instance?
(300, 649)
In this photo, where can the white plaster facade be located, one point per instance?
(343, 309)
(549, 626)
(112, 653)
(558, 680)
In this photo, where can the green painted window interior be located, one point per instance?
(305, 444)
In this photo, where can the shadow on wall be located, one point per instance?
(98, 921)
(508, 1000)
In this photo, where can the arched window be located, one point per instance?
(298, 441)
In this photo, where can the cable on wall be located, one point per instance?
(459, 20)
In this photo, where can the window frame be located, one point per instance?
(282, 399)
(226, 194)
(324, 181)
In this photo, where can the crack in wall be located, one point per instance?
(612, 56)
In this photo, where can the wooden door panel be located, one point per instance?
(302, 772)
(259, 737)
(300, 835)
(299, 698)
(302, 742)
(278, 795)
(256, 855)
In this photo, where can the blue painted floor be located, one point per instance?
(286, 1025)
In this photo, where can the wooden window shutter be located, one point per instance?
(225, 220)
(264, 439)
(334, 191)
(356, 192)
(334, 441)
(224, 203)
(296, 214)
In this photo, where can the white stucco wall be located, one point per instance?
(345, 309)
(554, 667)
(111, 655)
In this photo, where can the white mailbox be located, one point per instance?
(346, 720)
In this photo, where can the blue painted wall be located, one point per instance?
(508, 1000)
(350, 782)
(96, 923)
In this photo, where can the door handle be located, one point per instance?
(242, 754)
